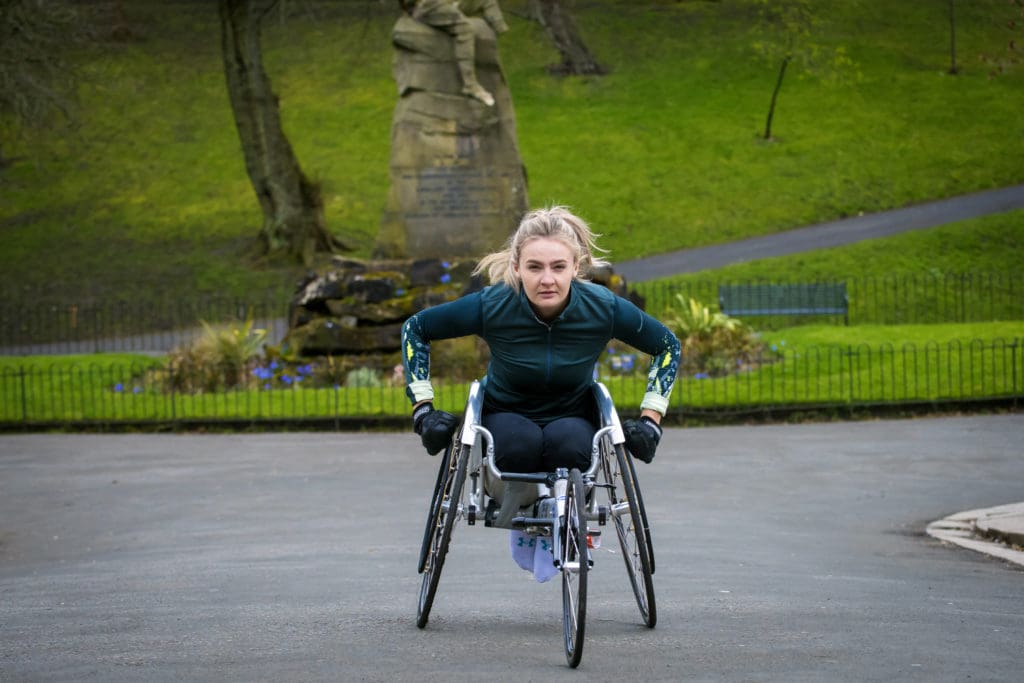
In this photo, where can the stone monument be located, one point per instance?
(458, 186)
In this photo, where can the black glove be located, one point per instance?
(435, 427)
(642, 437)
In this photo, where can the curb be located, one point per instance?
(997, 531)
(1004, 523)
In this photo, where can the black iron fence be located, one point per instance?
(885, 300)
(27, 328)
(88, 328)
(64, 393)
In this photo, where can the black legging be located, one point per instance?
(520, 445)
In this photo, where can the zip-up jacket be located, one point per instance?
(541, 370)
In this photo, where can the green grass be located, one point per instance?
(992, 244)
(150, 199)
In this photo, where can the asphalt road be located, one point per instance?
(825, 235)
(785, 553)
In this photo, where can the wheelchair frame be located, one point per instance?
(562, 504)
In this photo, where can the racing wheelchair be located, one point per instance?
(567, 506)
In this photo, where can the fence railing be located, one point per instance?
(809, 378)
(888, 300)
(131, 327)
(128, 326)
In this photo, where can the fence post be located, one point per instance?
(1013, 368)
(24, 398)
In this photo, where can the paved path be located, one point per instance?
(785, 553)
(825, 235)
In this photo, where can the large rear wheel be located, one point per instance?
(574, 569)
(441, 533)
(435, 506)
(629, 520)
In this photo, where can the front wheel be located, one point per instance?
(575, 564)
(441, 533)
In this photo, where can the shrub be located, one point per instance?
(221, 358)
(713, 343)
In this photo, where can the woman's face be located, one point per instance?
(546, 267)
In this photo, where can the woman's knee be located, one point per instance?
(567, 442)
(517, 442)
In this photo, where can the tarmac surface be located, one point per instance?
(784, 553)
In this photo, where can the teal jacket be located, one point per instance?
(540, 370)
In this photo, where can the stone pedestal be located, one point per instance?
(458, 186)
(357, 308)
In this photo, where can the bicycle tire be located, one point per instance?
(627, 522)
(442, 534)
(435, 507)
(643, 512)
(574, 569)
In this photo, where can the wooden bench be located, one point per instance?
(809, 298)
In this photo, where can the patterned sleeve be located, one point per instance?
(455, 319)
(650, 336)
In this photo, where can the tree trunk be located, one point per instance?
(293, 214)
(775, 96)
(561, 29)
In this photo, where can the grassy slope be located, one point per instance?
(151, 197)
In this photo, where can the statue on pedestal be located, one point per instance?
(458, 186)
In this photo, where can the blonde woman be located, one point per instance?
(546, 327)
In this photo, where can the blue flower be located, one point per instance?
(306, 369)
(119, 387)
(701, 375)
(627, 362)
(274, 365)
(267, 385)
(446, 278)
(399, 292)
(287, 379)
(774, 347)
(136, 390)
(262, 373)
(446, 265)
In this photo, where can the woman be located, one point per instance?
(546, 328)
